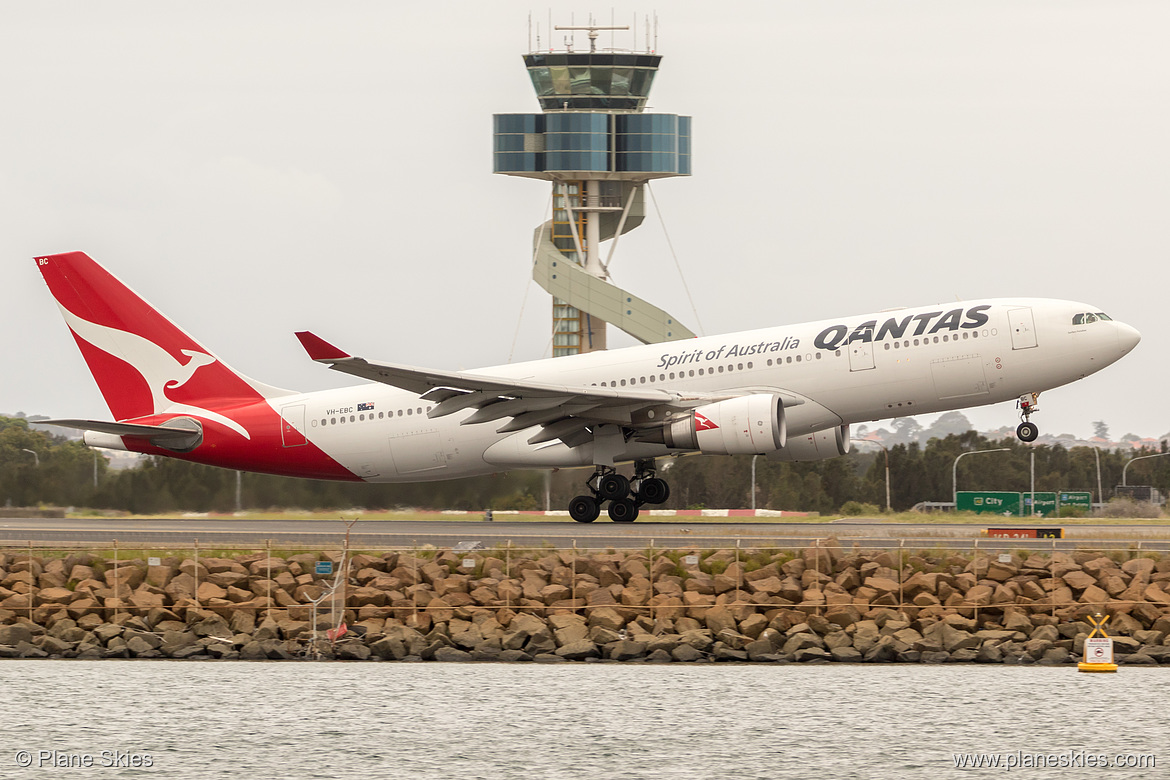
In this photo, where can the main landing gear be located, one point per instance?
(625, 496)
(1027, 431)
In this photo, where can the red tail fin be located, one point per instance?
(144, 364)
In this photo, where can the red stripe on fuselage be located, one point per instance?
(264, 452)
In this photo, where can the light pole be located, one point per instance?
(887, 452)
(24, 482)
(1032, 482)
(754, 482)
(1131, 460)
(1100, 495)
(955, 471)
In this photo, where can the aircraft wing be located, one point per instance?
(563, 411)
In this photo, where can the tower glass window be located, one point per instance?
(597, 80)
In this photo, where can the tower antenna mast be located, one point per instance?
(594, 31)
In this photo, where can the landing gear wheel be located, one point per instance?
(584, 509)
(623, 510)
(612, 486)
(1027, 406)
(653, 491)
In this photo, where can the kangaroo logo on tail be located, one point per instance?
(158, 368)
(143, 363)
(198, 361)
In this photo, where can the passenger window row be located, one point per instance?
(370, 417)
(729, 368)
(946, 337)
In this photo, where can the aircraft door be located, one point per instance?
(1023, 328)
(860, 355)
(292, 426)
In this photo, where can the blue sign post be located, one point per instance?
(324, 567)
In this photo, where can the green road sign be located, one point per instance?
(988, 502)
(1081, 499)
(1044, 504)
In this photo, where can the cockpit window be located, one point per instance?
(1103, 315)
(1078, 319)
(1090, 317)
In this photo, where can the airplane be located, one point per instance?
(789, 392)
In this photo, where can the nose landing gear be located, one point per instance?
(1027, 431)
(625, 497)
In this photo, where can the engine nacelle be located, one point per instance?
(748, 425)
(818, 445)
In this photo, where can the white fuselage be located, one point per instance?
(851, 370)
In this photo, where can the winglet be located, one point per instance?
(320, 349)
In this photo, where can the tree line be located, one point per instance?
(38, 468)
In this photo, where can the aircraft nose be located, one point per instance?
(1127, 337)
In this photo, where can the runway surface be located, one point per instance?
(323, 534)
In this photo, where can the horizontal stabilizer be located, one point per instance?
(181, 435)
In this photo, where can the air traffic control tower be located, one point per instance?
(597, 147)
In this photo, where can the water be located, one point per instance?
(597, 721)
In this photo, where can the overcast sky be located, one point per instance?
(254, 169)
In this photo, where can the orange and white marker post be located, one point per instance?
(1098, 649)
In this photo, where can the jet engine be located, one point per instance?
(818, 445)
(748, 425)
